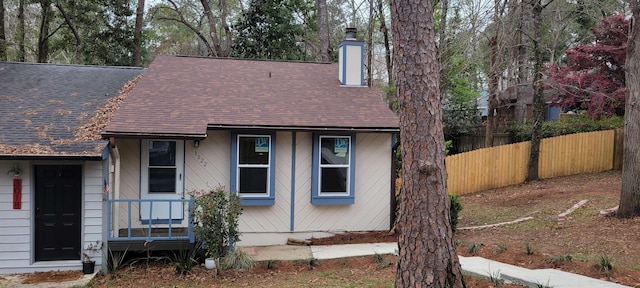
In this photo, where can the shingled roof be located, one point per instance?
(185, 96)
(51, 110)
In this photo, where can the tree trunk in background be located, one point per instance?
(76, 35)
(538, 91)
(21, 32)
(630, 193)
(323, 30)
(3, 38)
(387, 53)
(427, 255)
(43, 34)
(369, 45)
(523, 61)
(137, 36)
(442, 47)
(495, 70)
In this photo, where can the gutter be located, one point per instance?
(304, 128)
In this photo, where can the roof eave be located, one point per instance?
(146, 135)
(54, 157)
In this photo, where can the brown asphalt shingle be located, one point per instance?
(182, 96)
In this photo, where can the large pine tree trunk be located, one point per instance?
(427, 255)
(630, 194)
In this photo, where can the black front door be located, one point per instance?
(58, 200)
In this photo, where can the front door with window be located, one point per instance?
(58, 198)
(162, 179)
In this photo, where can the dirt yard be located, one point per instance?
(577, 244)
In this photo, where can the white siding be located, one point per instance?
(274, 218)
(371, 208)
(16, 255)
(16, 229)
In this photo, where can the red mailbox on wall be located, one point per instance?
(17, 194)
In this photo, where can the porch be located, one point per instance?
(149, 224)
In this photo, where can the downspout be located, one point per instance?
(115, 211)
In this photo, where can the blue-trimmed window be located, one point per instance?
(333, 177)
(253, 168)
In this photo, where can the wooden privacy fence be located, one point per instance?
(507, 165)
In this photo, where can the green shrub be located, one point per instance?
(574, 124)
(456, 206)
(215, 217)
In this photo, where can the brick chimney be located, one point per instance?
(351, 60)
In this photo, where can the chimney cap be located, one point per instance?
(350, 33)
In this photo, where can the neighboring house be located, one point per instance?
(53, 162)
(508, 99)
(307, 147)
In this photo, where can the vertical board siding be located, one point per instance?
(372, 187)
(507, 165)
(273, 218)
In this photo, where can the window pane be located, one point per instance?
(162, 153)
(334, 150)
(253, 150)
(253, 180)
(162, 180)
(333, 180)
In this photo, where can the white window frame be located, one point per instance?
(239, 166)
(321, 166)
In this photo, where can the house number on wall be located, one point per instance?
(201, 159)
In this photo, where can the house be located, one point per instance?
(307, 146)
(506, 111)
(53, 162)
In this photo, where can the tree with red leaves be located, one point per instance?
(594, 77)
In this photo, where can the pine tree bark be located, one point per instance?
(427, 255)
(630, 193)
(137, 36)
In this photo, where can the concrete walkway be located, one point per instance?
(471, 265)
